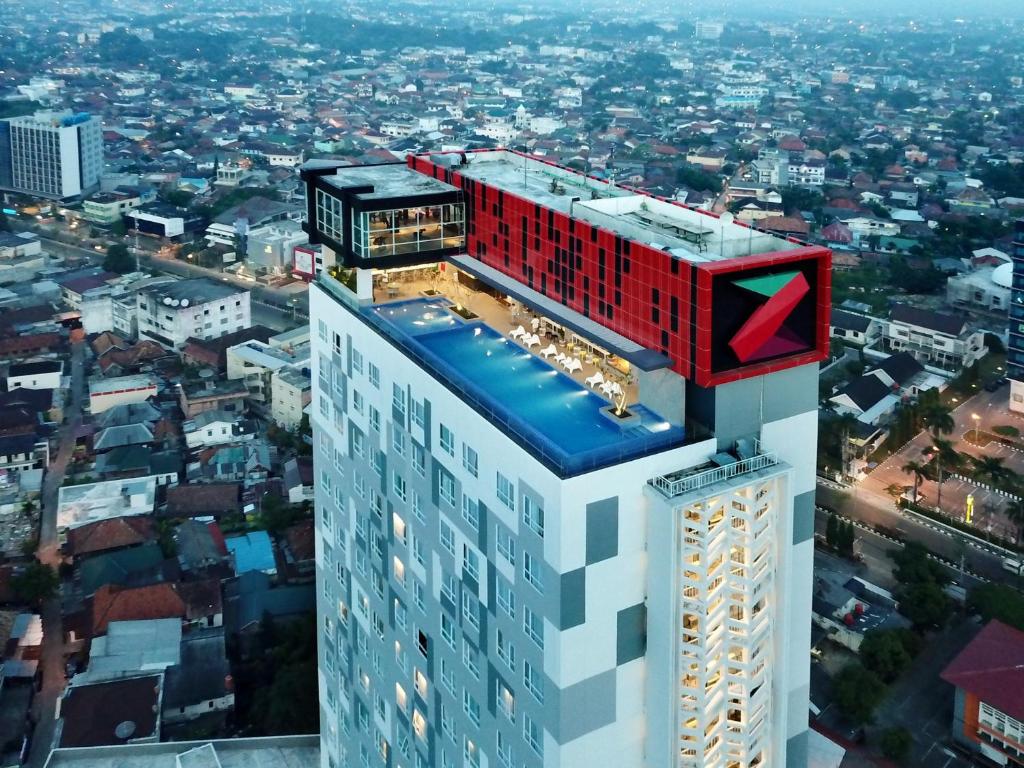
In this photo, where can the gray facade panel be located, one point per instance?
(790, 392)
(602, 529)
(630, 633)
(574, 599)
(803, 517)
(587, 706)
(796, 750)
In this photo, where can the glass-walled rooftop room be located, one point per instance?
(400, 231)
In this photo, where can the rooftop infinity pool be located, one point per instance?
(542, 406)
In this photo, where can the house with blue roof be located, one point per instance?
(253, 551)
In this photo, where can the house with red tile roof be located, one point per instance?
(110, 534)
(988, 707)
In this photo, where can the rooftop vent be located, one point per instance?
(125, 729)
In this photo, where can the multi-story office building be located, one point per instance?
(588, 546)
(51, 154)
(171, 313)
(1015, 353)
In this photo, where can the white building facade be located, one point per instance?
(52, 155)
(171, 313)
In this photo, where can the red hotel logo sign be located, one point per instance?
(764, 334)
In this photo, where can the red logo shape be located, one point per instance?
(763, 334)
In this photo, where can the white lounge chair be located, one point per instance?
(548, 351)
(560, 358)
(607, 388)
(518, 332)
(531, 341)
(616, 389)
(573, 365)
(596, 380)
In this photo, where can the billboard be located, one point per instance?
(302, 263)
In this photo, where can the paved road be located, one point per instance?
(880, 514)
(991, 409)
(52, 661)
(278, 298)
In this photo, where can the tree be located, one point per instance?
(896, 744)
(886, 652)
(858, 691)
(36, 584)
(847, 537)
(926, 604)
(990, 469)
(945, 456)
(916, 469)
(937, 418)
(832, 531)
(179, 198)
(1014, 512)
(118, 259)
(275, 515)
(997, 601)
(914, 566)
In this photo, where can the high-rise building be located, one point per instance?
(52, 155)
(564, 442)
(1015, 352)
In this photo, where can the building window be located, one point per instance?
(357, 360)
(505, 597)
(419, 459)
(471, 562)
(533, 626)
(374, 419)
(471, 512)
(446, 486)
(506, 492)
(374, 374)
(532, 572)
(532, 735)
(471, 659)
(533, 680)
(469, 460)
(506, 651)
(399, 486)
(397, 441)
(418, 413)
(398, 402)
(504, 544)
(533, 516)
(447, 538)
(357, 402)
(471, 707)
(447, 440)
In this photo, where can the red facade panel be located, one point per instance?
(640, 292)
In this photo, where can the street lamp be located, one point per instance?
(975, 418)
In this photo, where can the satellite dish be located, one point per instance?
(175, 302)
(184, 302)
(167, 300)
(125, 730)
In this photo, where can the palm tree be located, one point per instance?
(1014, 511)
(938, 419)
(945, 456)
(917, 469)
(989, 468)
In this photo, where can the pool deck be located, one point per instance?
(499, 316)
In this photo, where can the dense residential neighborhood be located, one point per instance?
(191, 211)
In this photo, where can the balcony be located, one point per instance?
(687, 481)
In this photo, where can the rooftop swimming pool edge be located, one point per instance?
(563, 464)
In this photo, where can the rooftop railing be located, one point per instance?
(677, 484)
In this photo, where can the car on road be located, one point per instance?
(995, 386)
(1012, 565)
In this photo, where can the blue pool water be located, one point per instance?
(546, 407)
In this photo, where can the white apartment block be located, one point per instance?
(171, 313)
(56, 155)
